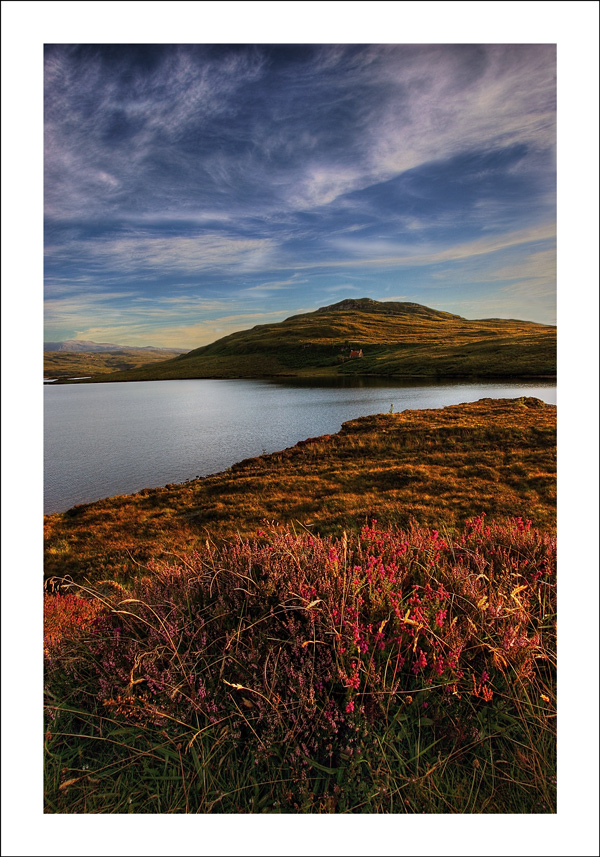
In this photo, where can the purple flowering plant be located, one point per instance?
(305, 655)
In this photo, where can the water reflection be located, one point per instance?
(107, 439)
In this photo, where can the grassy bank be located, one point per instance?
(438, 467)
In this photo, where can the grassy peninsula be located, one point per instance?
(365, 622)
(395, 339)
(438, 467)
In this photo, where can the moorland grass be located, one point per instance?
(397, 339)
(438, 467)
(394, 671)
(67, 364)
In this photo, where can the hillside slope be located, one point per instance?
(67, 363)
(396, 339)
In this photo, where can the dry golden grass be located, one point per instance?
(438, 467)
(68, 364)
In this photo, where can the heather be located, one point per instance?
(393, 669)
(439, 467)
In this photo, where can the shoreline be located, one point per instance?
(301, 442)
(437, 466)
(432, 379)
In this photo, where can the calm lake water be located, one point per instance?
(107, 439)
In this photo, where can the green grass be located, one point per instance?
(397, 339)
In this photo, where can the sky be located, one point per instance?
(192, 190)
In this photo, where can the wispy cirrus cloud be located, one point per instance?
(172, 254)
(114, 119)
(465, 99)
(387, 253)
(174, 329)
(234, 119)
(223, 169)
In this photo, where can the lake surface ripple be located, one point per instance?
(107, 439)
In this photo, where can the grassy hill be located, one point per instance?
(438, 467)
(397, 339)
(67, 364)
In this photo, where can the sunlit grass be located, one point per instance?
(69, 364)
(438, 467)
(409, 341)
(386, 671)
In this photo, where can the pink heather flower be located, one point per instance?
(485, 675)
(439, 619)
(420, 662)
(354, 681)
(350, 707)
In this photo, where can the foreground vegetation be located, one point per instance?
(397, 339)
(396, 671)
(438, 467)
(329, 629)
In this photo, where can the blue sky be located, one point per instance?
(194, 190)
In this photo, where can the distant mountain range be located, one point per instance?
(77, 358)
(366, 337)
(81, 345)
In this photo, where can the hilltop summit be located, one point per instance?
(388, 308)
(394, 339)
